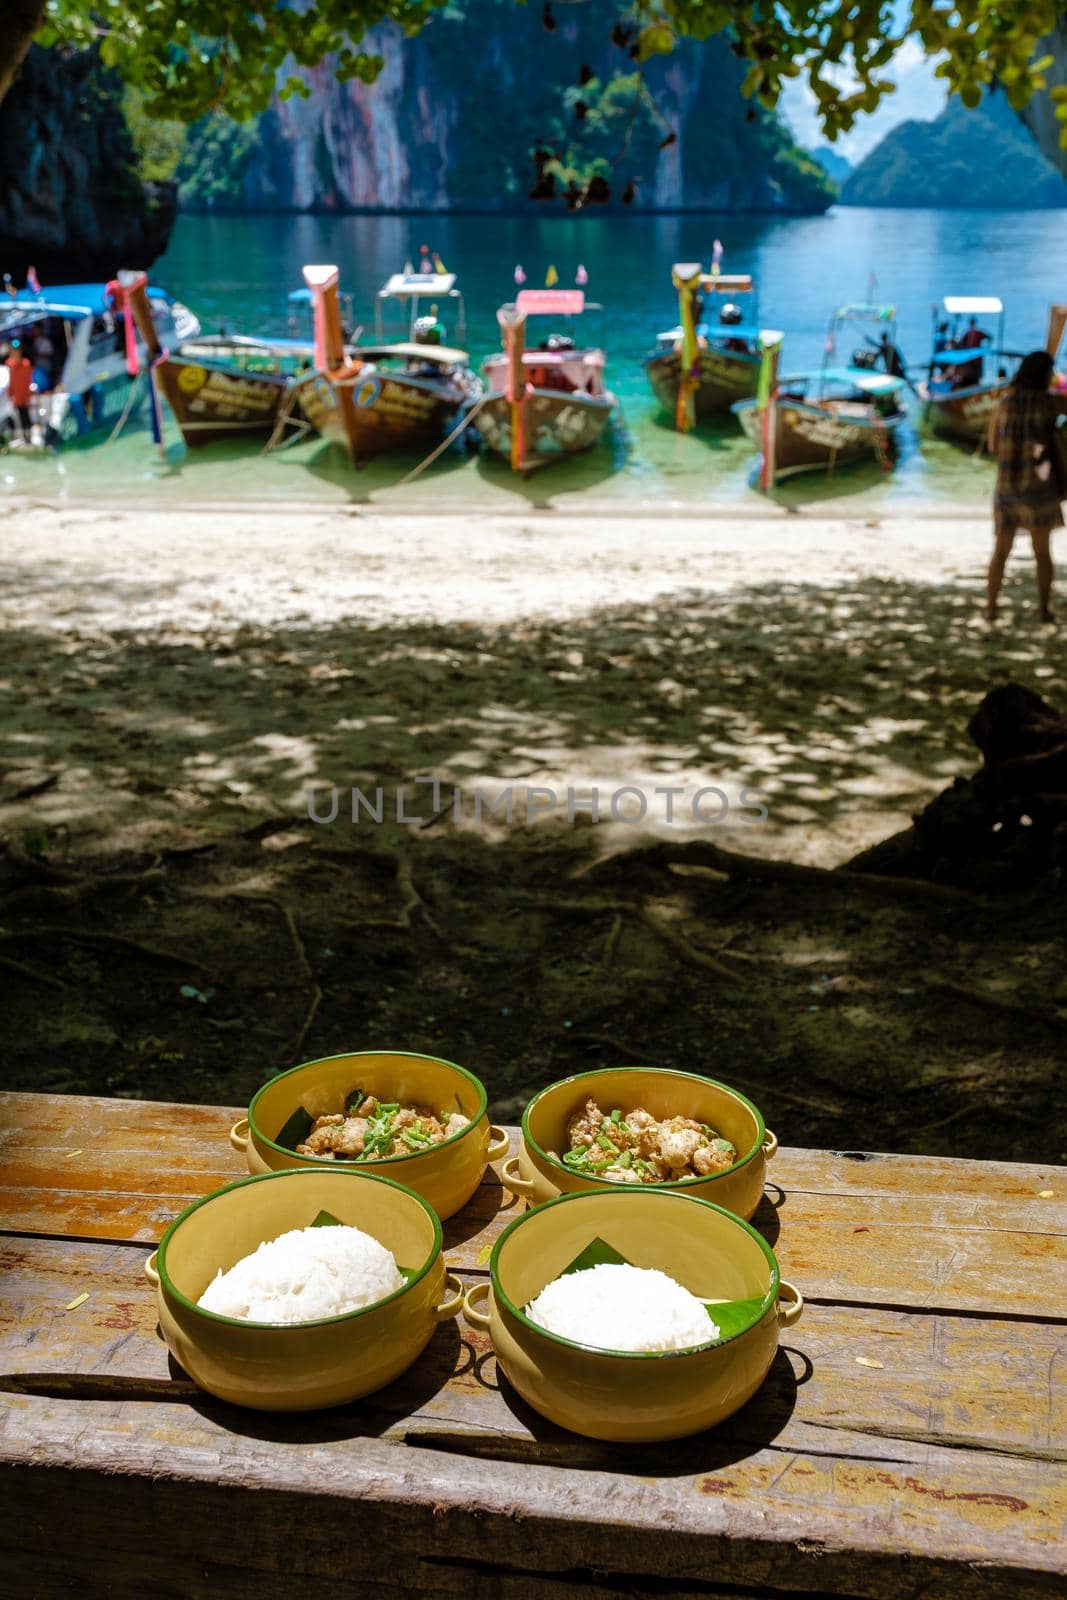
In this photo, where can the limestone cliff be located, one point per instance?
(453, 119)
(72, 201)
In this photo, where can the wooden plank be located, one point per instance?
(955, 1245)
(133, 1130)
(255, 1490)
(850, 1381)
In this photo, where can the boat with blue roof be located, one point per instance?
(86, 355)
(712, 359)
(833, 415)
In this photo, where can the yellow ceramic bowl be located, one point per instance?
(446, 1175)
(303, 1366)
(630, 1396)
(538, 1174)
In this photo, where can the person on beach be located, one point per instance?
(1023, 438)
(20, 386)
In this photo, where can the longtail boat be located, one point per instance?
(86, 356)
(701, 368)
(548, 401)
(831, 416)
(376, 398)
(969, 370)
(817, 421)
(218, 386)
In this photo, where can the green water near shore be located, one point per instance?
(236, 272)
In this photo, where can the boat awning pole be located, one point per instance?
(1057, 320)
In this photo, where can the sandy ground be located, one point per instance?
(211, 567)
(773, 607)
(174, 681)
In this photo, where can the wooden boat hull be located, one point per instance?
(964, 415)
(725, 377)
(368, 413)
(557, 424)
(212, 401)
(813, 438)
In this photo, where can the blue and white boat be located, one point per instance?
(76, 337)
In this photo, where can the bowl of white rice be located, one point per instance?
(633, 1314)
(301, 1289)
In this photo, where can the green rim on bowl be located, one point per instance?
(355, 1055)
(275, 1177)
(662, 1072)
(765, 1305)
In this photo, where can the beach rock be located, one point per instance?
(72, 202)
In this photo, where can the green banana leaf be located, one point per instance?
(296, 1129)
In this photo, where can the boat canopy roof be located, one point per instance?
(550, 302)
(972, 305)
(716, 282)
(731, 330)
(865, 313)
(441, 353)
(403, 285)
(873, 383)
(74, 300)
(960, 358)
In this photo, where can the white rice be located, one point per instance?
(305, 1274)
(623, 1308)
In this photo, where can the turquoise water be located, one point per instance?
(236, 272)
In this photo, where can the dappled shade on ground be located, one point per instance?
(162, 752)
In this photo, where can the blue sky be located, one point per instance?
(918, 96)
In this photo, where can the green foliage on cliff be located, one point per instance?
(159, 144)
(964, 157)
(216, 153)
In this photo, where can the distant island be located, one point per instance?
(983, 158)
(836, 166)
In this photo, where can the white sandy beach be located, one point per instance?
(219, 567)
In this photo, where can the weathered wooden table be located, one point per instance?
(909, 1441)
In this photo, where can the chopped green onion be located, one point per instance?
(412, 1139)
(605, 1144)
(626, 1159)
(616, 1116)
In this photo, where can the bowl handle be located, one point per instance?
(788, 1314)
(476, 1318)
(449, 1307)
(770, 1145)
(239, 1135)
(499, 1143)
(150, 1270)
(511, 1180)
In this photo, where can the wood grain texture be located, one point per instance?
(909, 1441)
(885, 1230)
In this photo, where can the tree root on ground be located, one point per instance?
(595, 907)
(306, 970)
(114, 940)
(25, 971)
(701, 852)
(62, 896)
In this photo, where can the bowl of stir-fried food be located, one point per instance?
(415, 1118)
(642, 1126)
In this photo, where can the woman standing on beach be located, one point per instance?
(1022, 437)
